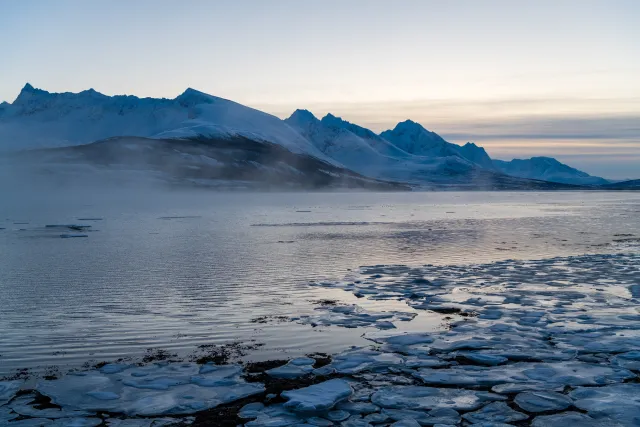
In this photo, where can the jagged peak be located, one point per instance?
(330, 119)
(302, 115)
(409, 126)
(28, 92)
(470, 144)
(191, 97)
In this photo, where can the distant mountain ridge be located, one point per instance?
(408, 153)
(547, 169)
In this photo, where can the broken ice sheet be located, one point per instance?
(354, 316)
(162, 388)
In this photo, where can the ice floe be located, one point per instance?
(526, 342)
(318, 397)
(418, 397)
(8, 389)
(158, 389)
(542, 401)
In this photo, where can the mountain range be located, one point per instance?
(408, 154)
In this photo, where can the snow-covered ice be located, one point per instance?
(158, 389)
(318, 397)
(528, 342)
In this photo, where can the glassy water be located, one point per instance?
(173, 270)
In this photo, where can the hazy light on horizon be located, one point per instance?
(548, 76)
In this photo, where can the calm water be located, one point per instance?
(174, 271)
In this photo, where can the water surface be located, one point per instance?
(175, 270)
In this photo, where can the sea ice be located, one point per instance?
(293, 369)
(163, 388)
(495, 412)
(8, 389)
(565, 373)
(620, 402)
(541, 401)
(318, 397)
(427, 398)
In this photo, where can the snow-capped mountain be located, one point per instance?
(39, 119)
(363, 151)
(547, 169)
(415, 139)
(408, 153)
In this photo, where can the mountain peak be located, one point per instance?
(302, 115)
(409, 126)
(191, 97)
(28, 93)
(331, 120)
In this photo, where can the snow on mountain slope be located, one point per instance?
(547, 169)
(39, 119)
(367, 153)
(476, 154)
(415, 139)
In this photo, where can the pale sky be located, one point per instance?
(546, 77)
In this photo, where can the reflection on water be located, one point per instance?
(174, 271)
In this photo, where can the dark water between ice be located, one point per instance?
(174, 271)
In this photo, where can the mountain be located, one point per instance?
(363, 151)
(415, 139)
(409, 153)
(547, 169)
(633, 184)
(213, 162)
(39, 119)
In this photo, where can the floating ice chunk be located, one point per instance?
(571, 419)
(76, 422)
(251, 410)
(277, 421)
(629, 360)
(129, 422)
(321, 422)
(6, 414)
(541, 401)
(294, 369)
(376, 418)
(558, 373)
(152, 390)
(403, 340)
(406, 423)
(495, 412)
(318, 397)
(31, 422)
(103, 395)
(424, 361)
(338, 415)
(22, 405)
(620, 402)
(484, 359)
(8, 389)
(520, 387)
(444, 416)
(355, 421)
(407, 414)
(353, 316)
(353, 362)
(358, 407)
(418, 397)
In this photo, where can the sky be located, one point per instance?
(521, 78)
